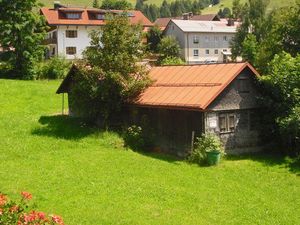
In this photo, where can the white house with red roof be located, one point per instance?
(70, 27)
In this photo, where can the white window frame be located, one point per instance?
(228, 128)
(207, 52)
(69, 47)
(196, 39)
(71, 33)
(197, 54)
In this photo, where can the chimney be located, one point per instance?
(185, 16)
(230, 22)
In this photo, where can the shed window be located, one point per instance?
(226, 122)
(100, 16)
(71, 50)
(71, 33)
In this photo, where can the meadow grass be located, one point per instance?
(86, 176)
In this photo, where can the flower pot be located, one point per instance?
(213, 157)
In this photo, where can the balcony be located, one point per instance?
(48, 41)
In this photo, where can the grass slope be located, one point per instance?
(223, 3)
(86, 176)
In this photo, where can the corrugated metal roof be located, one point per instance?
(205, 26)
(189, 86)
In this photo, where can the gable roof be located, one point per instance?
(53, 16)
(205, 26)
(192, 87)
(163, 22)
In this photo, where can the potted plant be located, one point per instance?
(208, 149)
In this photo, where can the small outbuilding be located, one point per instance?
(185, 101)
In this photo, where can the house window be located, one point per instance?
(207, 51)
(71, 50)
(100, 16)
(73, 15)
(226, 122)
(196, 40)
(53, 51)
(206, 39)
(243, 85)
(216, 39)
(71, 33)
(216, 51)
(196, 52)
(224, 50)
(224, 38)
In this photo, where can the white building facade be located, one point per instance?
(70, 29)
(203, 41)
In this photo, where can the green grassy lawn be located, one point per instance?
(87, 177)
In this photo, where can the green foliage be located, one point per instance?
(173, 9)
(53, 68)
(133, 138)
(171, 60)
(154, 36)
(168, 47)
(250, 46)
(22, 29)
(114, 75)
(96, 4)
(116, 4)
(208, 142)
(282, 87)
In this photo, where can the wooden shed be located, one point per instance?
(185, 101)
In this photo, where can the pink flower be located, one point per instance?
(26, 195)
(57, 220)
(3, 199)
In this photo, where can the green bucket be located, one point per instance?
(213, 157)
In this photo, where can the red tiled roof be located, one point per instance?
(52, 17)
(191, 86)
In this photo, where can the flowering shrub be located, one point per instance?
(19, 213)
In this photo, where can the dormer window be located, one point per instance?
(73, 16)
(100, 16)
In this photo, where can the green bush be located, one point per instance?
(171, 60)
(54, 68)
(206, 143)
(133, 137)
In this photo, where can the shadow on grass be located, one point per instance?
(293, 165)
(64, 127)
(69, 128)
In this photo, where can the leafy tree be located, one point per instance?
(115, 76)
(226, 12)
(215, 2)
(96, 4)
(153, 38)
(171, 60)
(250, 47)
(282, 86)
(165, 9)
(139, 5)
(237, 9)
(22, 30)
(116, 4)
(168, 47)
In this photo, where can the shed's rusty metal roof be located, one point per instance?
(191, 86)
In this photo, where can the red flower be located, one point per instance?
(14, 208)
(3, 199)
(57, 220)
(26, 195)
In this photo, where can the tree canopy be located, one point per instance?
(22, 30)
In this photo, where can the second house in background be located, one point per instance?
(203, 41)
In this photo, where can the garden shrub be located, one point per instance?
(133, 137)
(171, 60)
(208, 142)
(53, 68)
(21, 212)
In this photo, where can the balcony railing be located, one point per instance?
(49, 41)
